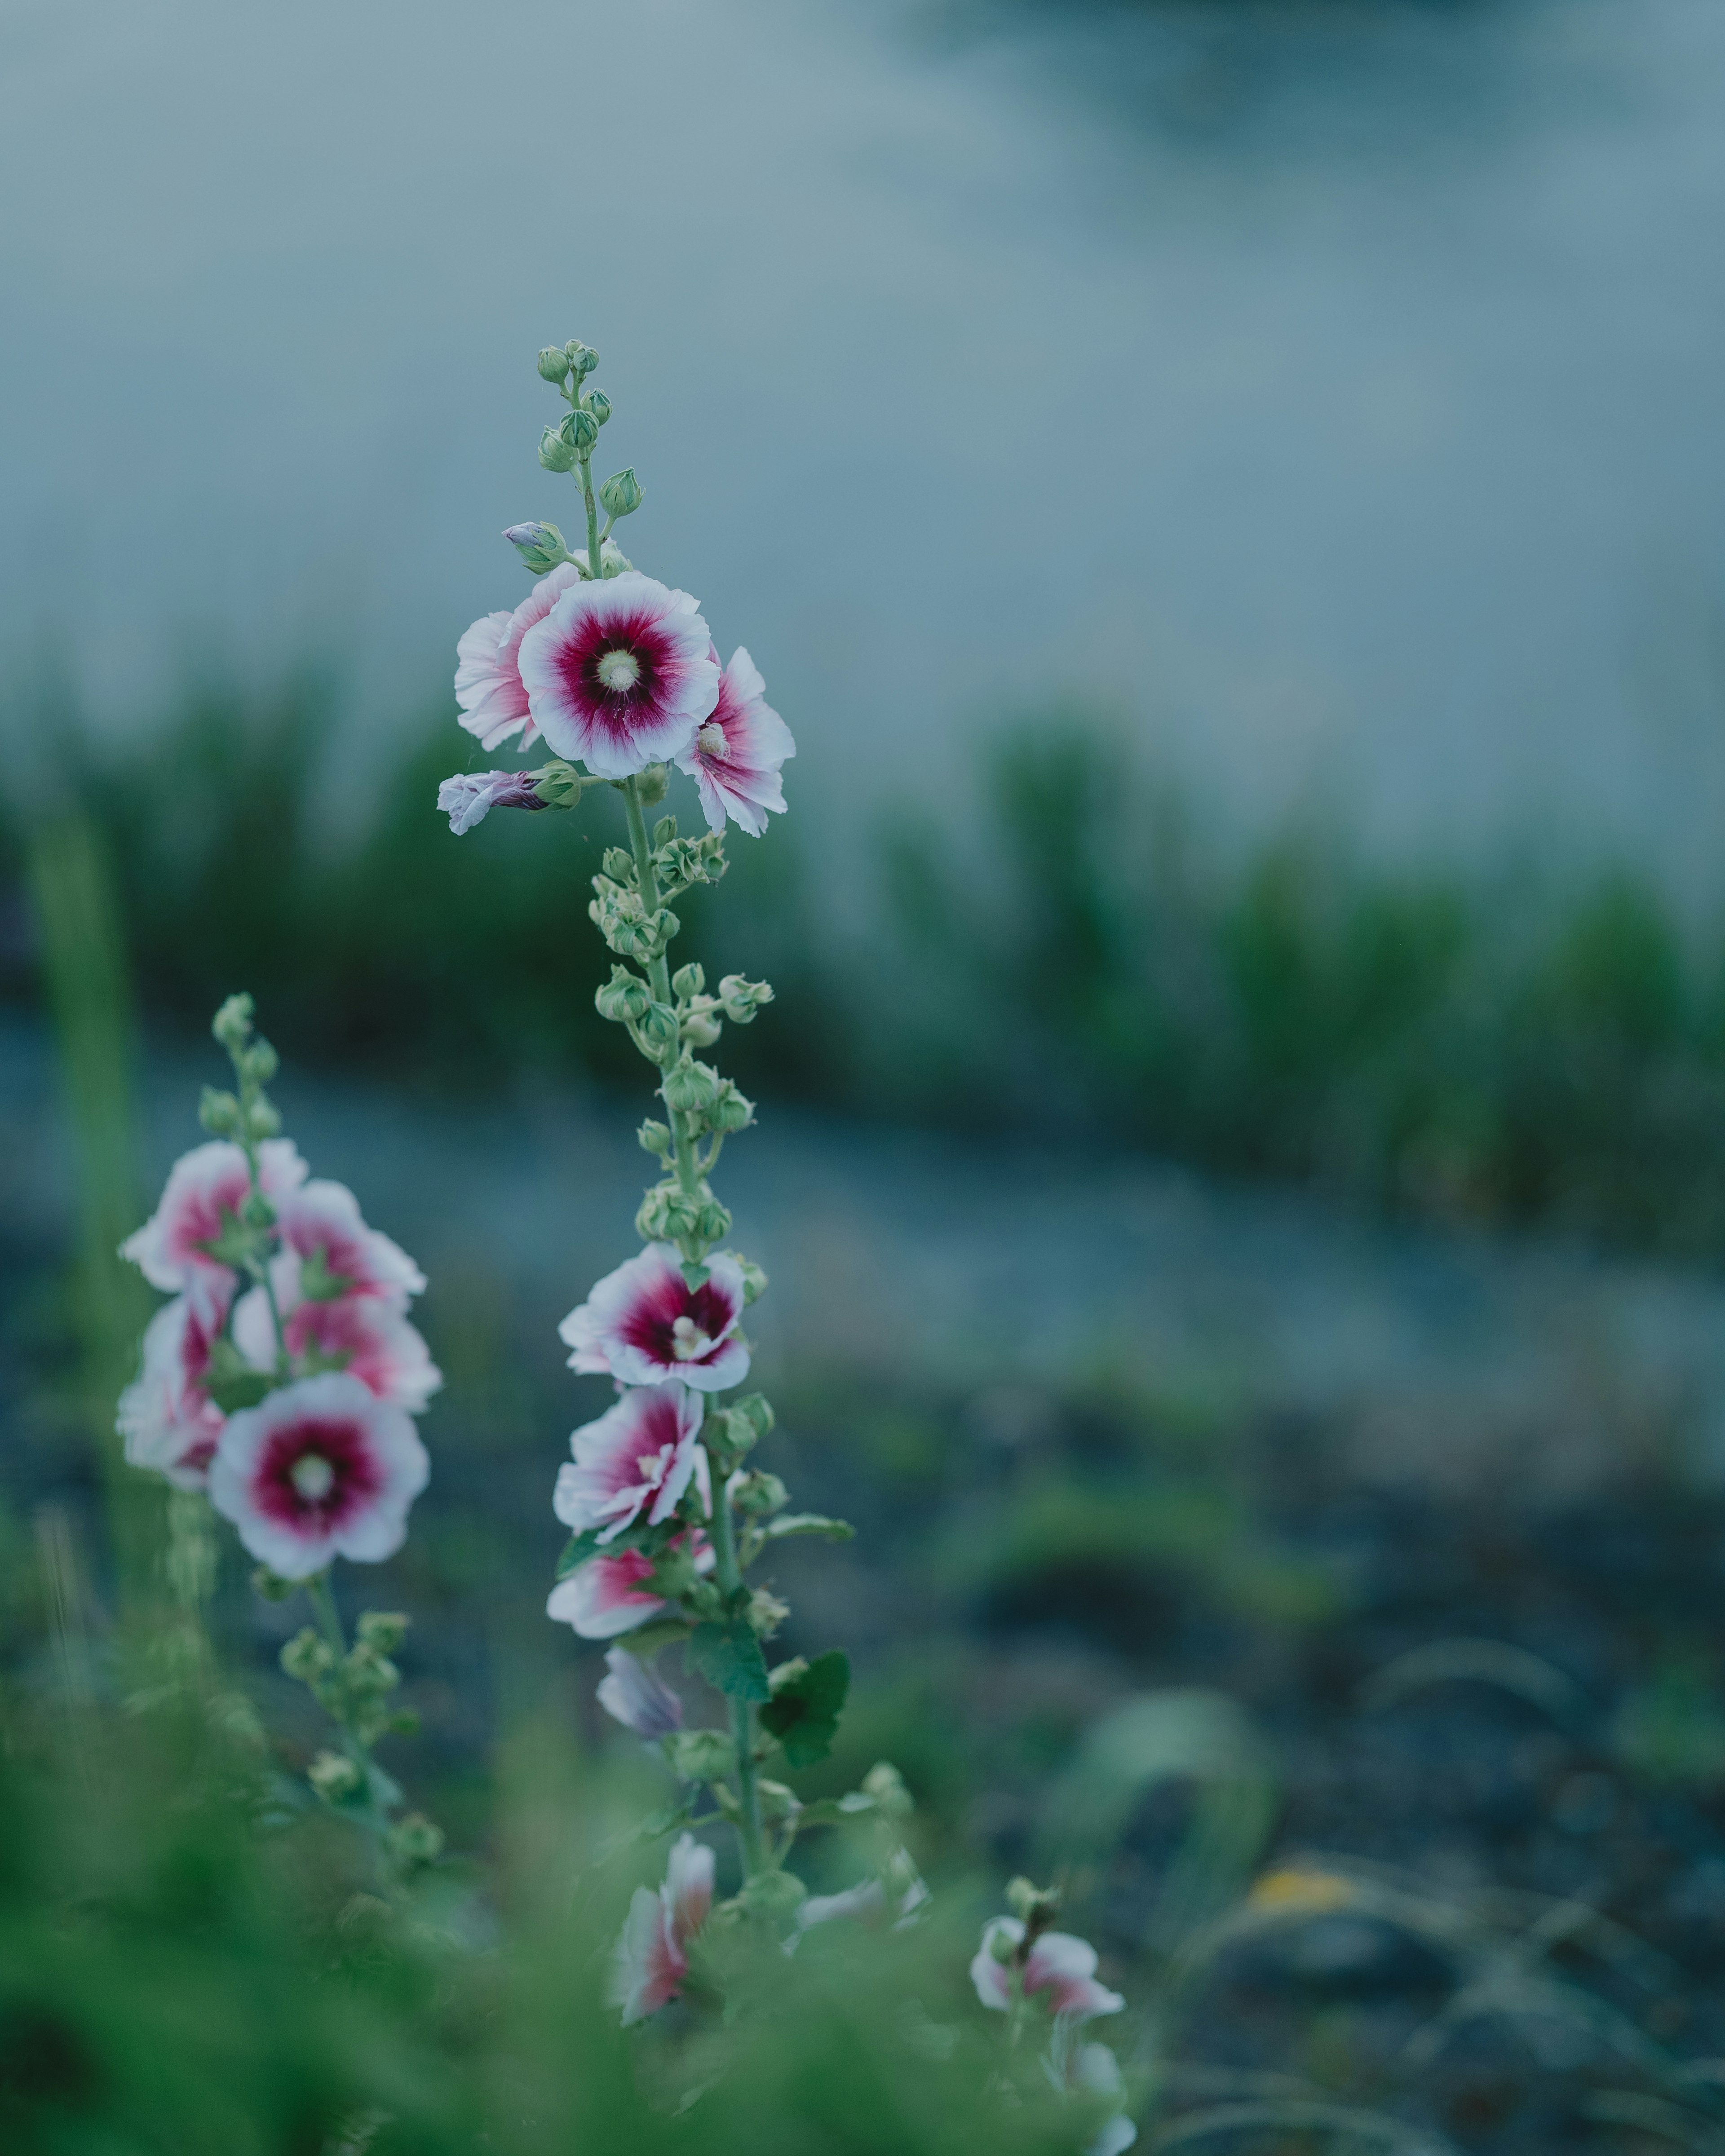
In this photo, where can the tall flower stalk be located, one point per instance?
(617, 674)
(277, 1389)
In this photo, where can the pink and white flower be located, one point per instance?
(619, 673)
(608, 1595)
(168, 1420)
(488, 676)
(322, 1229)
(637, 1458)
(737, 755)
(322, 1469)
(652, 1960)
(205, 1188)
(635, 1694)
(471, 796)
(644, 1325)
(361, 1335)
(1060, 1965)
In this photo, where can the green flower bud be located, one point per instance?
(382, 1630)
(415, 1840)
(760, 1493)
(621, 493)
(655, 1139)
(741, 999)
(754, 1280)
(657, 1026)
(555, 453)
(583, 358)
(540, 545)
(731, 1112)
(307, 1657)
(554, 365)
(232, 1024)
(335, 1778)
(766, 1612)
(651, 783)
(625, 995)
(712, 1221)
(263, 1120)
(219, 1113)
(773, 1896)
(653, 1217)
(778, 1803)
(885, 1785)
(756, 1411)
(688, 980)
(612, 561)
(260, 1063)
(272, 1586)
(700, 1755)
(598, 403)
(700, 1029)
(579, 430)
(690, 1087)
(619, 865)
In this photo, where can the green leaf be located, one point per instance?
(317, 1283)
(648, 1639)
(231, 1381)
(809, 1523)
(235, 1243)
(729, 1657)
(580, 1548)
(803, 1714)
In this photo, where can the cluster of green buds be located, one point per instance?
(568, 447)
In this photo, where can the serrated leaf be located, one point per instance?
(809, 1523)
(803, 1714)
(729, 1657)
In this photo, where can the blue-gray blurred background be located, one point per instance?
(1230, 496)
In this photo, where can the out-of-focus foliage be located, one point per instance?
(1487, 1044)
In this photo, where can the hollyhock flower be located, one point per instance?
(471, 796)
(736, 756)
(324, 1235)
(319, 1470)
(637, 1458)
(168, 1420)
(643, 1324)
(488, 678)
(651, 1958)
(203, 1185)
(635, 1695)
(619, 673)
(361, 1335)
(1058, 1964)
(606, 1596)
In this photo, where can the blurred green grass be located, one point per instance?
(1492, 1042)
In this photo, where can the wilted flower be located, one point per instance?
(638, 1457)
(471, 796)
(643, 1324)
(619, 673)
(361, 1335)
(651, 1958)
(322, 1469)
(607, 1596)
(635, 1695)
(205, 1189)
(168, 1420)
(487, 679)
(736, 754)
(1058, 1964)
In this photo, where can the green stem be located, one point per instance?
(728, 1573)
(592, 517)
(659, 972)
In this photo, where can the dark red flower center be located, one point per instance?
(314, 1473)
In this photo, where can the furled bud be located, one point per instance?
(232, 1024)
(754, 1280)
(555, 453)
(766, 1612)
(583, 358)
(307, 1657)
(731, 1112)
(741, 999)
(625, 995)
(885, 1785)
(712, 1221)
(756, 1411)
(382, 1630)
(219, 1113)
(655, 1139)
(579, 430)
(657, 1026)
(415, 1840)
(621, 493)
(688, 980)
(690, 1086)
(554, 365)
(598, 403)
(540, 545)
(760, 1492)
(701, 1755)
(619, 865)
(335, 1778)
